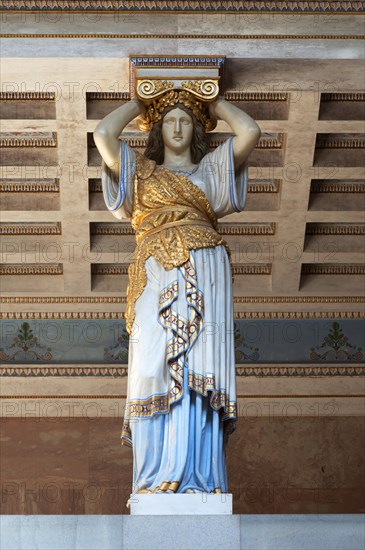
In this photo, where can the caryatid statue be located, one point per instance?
(181, 397)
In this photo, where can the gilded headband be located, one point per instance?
(155, 110)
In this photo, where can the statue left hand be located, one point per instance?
(213, 106)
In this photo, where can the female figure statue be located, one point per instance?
(181, 397)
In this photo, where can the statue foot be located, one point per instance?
(200, 491)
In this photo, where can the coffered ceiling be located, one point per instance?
(299, 244)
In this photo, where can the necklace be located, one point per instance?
(181, 171)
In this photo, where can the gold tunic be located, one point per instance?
(171, 216)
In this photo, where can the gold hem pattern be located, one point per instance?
(171, 487)
(184, 334)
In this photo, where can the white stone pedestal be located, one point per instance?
(213, 532)
(195, 504)
(223, 532)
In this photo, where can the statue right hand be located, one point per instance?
(140, 104)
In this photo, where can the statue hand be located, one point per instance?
(214, 106)
(140, 104)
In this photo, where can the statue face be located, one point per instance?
(177, 130)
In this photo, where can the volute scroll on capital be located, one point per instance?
(160, 82)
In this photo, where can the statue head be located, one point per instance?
(177, 129)
(194, 116)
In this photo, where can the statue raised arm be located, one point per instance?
(109, 129)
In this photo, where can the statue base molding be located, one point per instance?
(160, 504)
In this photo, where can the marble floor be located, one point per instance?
(236, 532)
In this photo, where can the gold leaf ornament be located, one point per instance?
(155, 110)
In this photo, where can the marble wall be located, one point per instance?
(312, 465)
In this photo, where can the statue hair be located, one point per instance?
(199, 146)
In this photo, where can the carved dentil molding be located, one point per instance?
(340, 141)
(230, 6)
(27, 96)
(28, 139)
(252, 269)
(111, 228)
(31, 269)
(184, 36)
(233, 95)
(335, 229)
(298, 299)
(237, 299)
(122, 269)
(111, 269)
(30, 228)
(328, 186)
(62, 315)
(237, 315)
(246, 228)
(299, 315)
(234, 229)
(333, 269)
(343, 96)
(29, 186)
